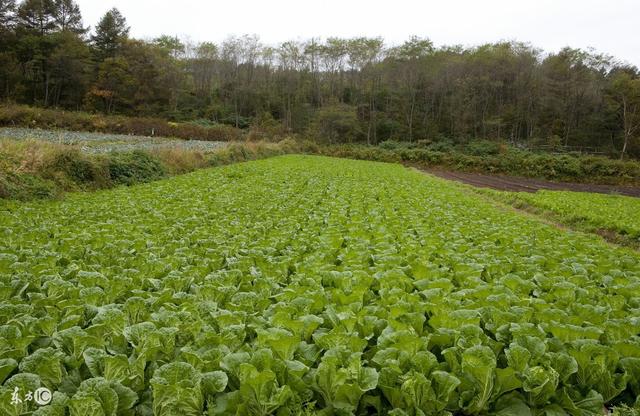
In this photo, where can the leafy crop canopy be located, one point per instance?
(306, 284)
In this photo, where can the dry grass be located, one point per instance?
(26, 156)
(178, 161)
(37, 169)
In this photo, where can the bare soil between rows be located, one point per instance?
(520, 184)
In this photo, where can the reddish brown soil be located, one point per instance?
(520, 184)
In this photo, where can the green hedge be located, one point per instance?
(592, 169)
(134, 167)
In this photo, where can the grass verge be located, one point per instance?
(554, 167)
(612, 217)
(36, 170)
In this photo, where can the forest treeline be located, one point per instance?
(338, 90)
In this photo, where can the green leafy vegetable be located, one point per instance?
(307, 285)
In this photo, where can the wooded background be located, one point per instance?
(337, 90)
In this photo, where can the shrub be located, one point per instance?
(445, 145)
(265, 127)
(304, 146)
(423, 143)
(554, 141)
(177, 161)
(411, 155)
(134, 167)
(36, 169)
(75, 165)
(392, 145)
(26, 186)
(290, 145)
(482, 148)
(507, 161)
(335, 123)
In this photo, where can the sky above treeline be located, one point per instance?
(608, 26)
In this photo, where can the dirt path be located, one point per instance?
(520, 184)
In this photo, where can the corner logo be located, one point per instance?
(41, 396)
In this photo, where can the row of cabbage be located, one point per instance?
(308, 285)
(616, 213)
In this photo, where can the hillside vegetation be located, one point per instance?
(335, 89)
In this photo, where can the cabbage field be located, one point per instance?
(304, 285)
(617, 213)
(100, 143)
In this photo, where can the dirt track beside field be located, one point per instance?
(520, 184)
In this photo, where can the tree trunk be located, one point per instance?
(235, 105)
(411, 109)
(627, 130)
(46, 89)
(624, 146)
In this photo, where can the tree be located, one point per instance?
(9, 65)
(335, 123)
(114, 86)
(625, 94)
(7, 14)
(407, 61)
(67, 71)
(312, 51)
(291, 58)
(37, 16)
(47, 40)
(171, 45)
(202, 68)
(169, 66)
(338, 89)
(111, 32)
(334, 54)
(67, 16)
(571, 93)
(364, 55)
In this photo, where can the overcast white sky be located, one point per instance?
(611, 26)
